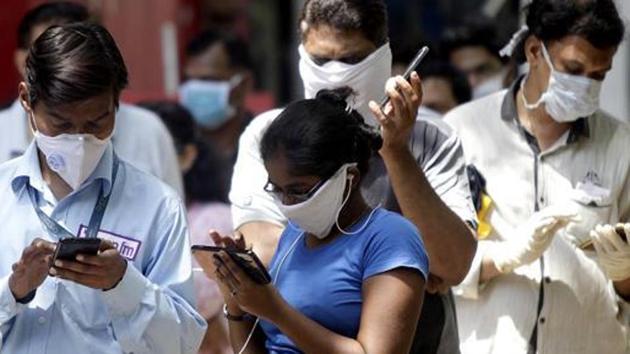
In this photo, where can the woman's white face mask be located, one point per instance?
(72, 156)
(320, 213)
(568, 97)
(367, 78)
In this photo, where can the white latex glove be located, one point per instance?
(613, 252)
(531, 240)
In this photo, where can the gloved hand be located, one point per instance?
(613, 252)
(531, 240)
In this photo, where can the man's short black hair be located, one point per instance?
(473, 32)
(72, 63)
(597, 21)
(52, 13)
(366, 16)
(444, 70)
(237, 50)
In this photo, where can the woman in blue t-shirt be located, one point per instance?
(346, 278)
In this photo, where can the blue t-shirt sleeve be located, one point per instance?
(395, 243)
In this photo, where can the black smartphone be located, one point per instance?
(246, 259)
(68, 248)
(412, 66)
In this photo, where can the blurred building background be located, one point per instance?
(153, 33)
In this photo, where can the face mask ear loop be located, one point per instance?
(533, 106)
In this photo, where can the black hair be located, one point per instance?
(74, 62)
(472, 32)
(443, 70)
(319, 135)
(236, 49)
(204, 181)
(177, 119)
(597, 21)
(52, 13)
(366, 16)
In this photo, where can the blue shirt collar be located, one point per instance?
(29, 171)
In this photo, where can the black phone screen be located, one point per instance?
(69, 248)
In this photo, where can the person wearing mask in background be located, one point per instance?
(473, 49)
(136, 294)
(347, 278)
(555, 167)
(205, 209)
(421, 174)
(443, 87)
(140, 137)
(217, 79)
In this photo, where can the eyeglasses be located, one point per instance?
(294, 198)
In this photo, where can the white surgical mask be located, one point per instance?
(367, 78)
(568, 97)
(72, 156)
(489, 86)
(209, 101)
(318, 214)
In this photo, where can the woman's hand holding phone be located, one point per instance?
(240, 292)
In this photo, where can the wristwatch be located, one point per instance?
(231, 317)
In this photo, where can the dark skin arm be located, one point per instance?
(391, 307)
(444, 233)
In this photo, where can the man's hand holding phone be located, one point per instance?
(103, 270)
(31, 270)
(398, 117)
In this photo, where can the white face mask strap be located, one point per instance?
(350, 177)
(533, 106)
(530, 106)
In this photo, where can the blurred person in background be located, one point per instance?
(347, 277)
(473, 49)
(443, 87)
(421, 174)
(547, 279)
(217, 79)
(139, 136)
(206, 211)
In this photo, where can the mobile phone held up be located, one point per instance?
(247, 260)
(68, 248)
(422, 53)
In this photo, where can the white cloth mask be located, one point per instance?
(367, 78)
(568, 97)
(72, 156)
(319, 213)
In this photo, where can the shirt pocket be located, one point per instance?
(83, 306)
(591, 212)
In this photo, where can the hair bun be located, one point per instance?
(338, 96)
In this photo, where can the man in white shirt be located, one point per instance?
(139, 137)
(555, 167)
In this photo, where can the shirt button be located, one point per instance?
(542, 320)
(547, 280)
(41, 320)
(247, 201)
